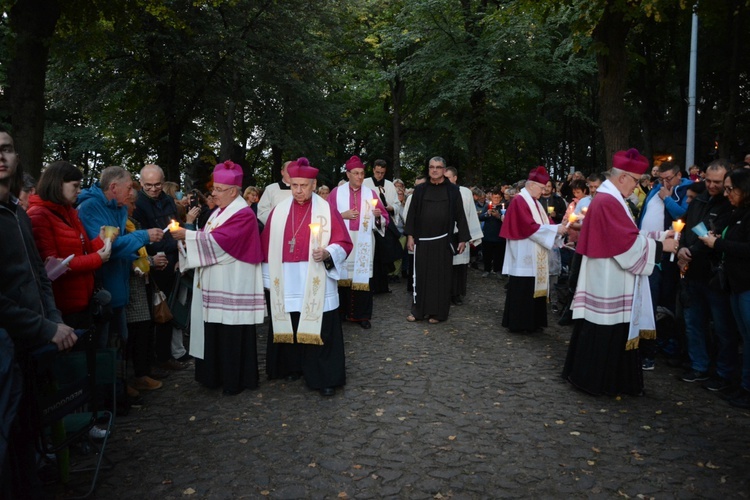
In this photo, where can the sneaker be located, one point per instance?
(146, 384)
(485, 274)
(647, 365)
(694, 376)
(98, 433)
(742, 400)
(718, 384)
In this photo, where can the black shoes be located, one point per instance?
(327, 391)
(718, 384)
(365, 324)
(694, 376)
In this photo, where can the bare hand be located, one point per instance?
(685, 255)
(461, 247)
(155, 234)
(562, 229)
(410, 243)
(178, 234)
(376, 212)
(65, 337)
(192, 214)
(105, 252)
(320, 254)
(670, 245)
(160, 261)
(709, 240)
(350, 214)
(664, 192)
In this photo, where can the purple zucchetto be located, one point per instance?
(539, 174)
(228, 173)
(302, 169)
(630, 161)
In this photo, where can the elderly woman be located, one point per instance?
(59, 233)
(734, 243)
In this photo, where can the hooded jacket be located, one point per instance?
(95, 211)
(59, 233)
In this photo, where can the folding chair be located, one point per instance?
(68, 402)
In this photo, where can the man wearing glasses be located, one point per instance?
(435, 210)
(665, 203)
(156, 209)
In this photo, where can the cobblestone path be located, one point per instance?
(462, 409)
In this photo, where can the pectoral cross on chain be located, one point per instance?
(291, 244)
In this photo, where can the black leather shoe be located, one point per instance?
(231, 392)
(365, 324)
(327, 391)
(292, 377)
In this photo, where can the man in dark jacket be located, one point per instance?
(29, 315)
(697, 261)
(155, 209)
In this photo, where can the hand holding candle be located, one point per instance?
(173, 226)
(571, 219)
(315, 231)
(678, 226)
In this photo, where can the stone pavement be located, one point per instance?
(462, 409)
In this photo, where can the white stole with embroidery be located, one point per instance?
(311, 316)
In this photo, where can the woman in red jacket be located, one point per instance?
(59, 233)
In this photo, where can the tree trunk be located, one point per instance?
(612, 61)
(729, 144)
(398, 95)
(33, 22)
(471, 174)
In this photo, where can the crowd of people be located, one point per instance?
(310, 257)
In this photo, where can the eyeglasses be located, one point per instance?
(728, 189)
(219, 190)
(152, 186)
(668, 179)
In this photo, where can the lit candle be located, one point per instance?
(315, 230)
(678, 226)
(550, 209)
(584, 210)
(489, 206)
(571, 219)
(173, 226)
(502, 209)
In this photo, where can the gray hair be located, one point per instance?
(440, 159)
(112, 174)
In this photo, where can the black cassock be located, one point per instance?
(434, 212)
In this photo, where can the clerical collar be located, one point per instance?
(380, 182)
(355, 190)
(283, 185)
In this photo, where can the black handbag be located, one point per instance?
(100, 306)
